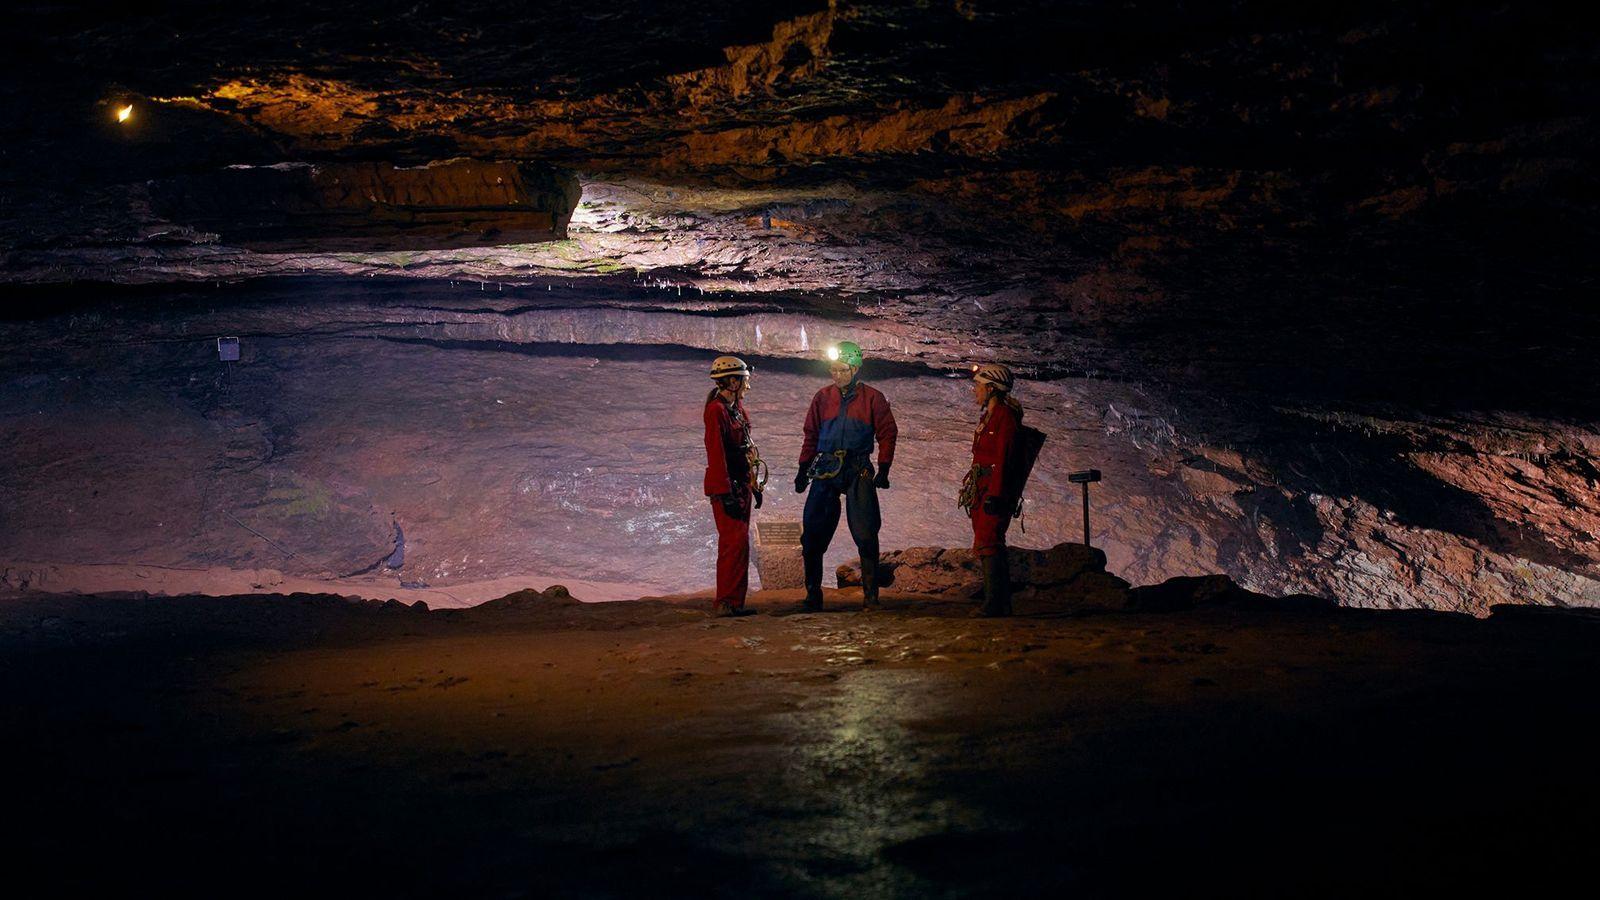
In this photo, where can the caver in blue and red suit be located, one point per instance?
(844, 421)
(987, 492)
(731, 463)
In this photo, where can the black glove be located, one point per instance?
(996, 506)
(730, 504)
(882, 481)
(758, 499)
(800, 479)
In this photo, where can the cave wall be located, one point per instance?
(1318, 277)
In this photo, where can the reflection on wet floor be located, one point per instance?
(582, 750)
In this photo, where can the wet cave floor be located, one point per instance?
(255, 746)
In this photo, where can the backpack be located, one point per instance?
(1030, 441)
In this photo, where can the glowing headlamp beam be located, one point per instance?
(833, 354)
(124, 113)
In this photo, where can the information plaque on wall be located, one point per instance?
(778, 534)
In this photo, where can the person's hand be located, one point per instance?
(730, 504)
(758, 499)
(882, 481)
(800, 480)
(995, 506)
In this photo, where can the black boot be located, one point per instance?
(1002, 580)
(869, 582)
(813, 601)
(996, 586)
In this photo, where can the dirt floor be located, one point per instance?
(303, 745)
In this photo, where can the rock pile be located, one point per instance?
(1064, 578)
(1067, 576)
(1193, 591)
(528, 598)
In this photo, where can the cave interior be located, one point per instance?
(417, 302)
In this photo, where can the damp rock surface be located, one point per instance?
(903, 752)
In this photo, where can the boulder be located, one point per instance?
(935, 571)
(1064, 577)
(528, 598)
(1194, 591)
(1559, 616)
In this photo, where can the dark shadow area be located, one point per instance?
(873, 370)
(1408, 751)
(33, 302)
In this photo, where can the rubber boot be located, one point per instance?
(869, 583)
(813, 601)
(996, 586)
(1002, 580)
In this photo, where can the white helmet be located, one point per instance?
(993, 374)
(723, 366)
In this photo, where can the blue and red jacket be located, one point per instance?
(837, 421)
(727, 430)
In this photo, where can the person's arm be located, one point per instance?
(813, 424)
(1005, 443)
(887, 431)
(717, 421)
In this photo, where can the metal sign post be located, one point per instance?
(228, 352)
(1084, 478)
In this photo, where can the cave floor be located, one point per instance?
(270, 744)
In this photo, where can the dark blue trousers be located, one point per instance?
(853, 488)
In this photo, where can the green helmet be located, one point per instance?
(847, 352)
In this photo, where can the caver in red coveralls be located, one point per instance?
(994, 448)
(728, 472)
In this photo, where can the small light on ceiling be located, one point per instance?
(124, 113)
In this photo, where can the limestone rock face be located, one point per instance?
(1311, 285)
(372, 206)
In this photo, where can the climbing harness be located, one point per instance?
(758, 466)
(828, 465)
(752, 456)
(968, 498)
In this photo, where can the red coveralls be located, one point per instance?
(728, 472)
(993, 446)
